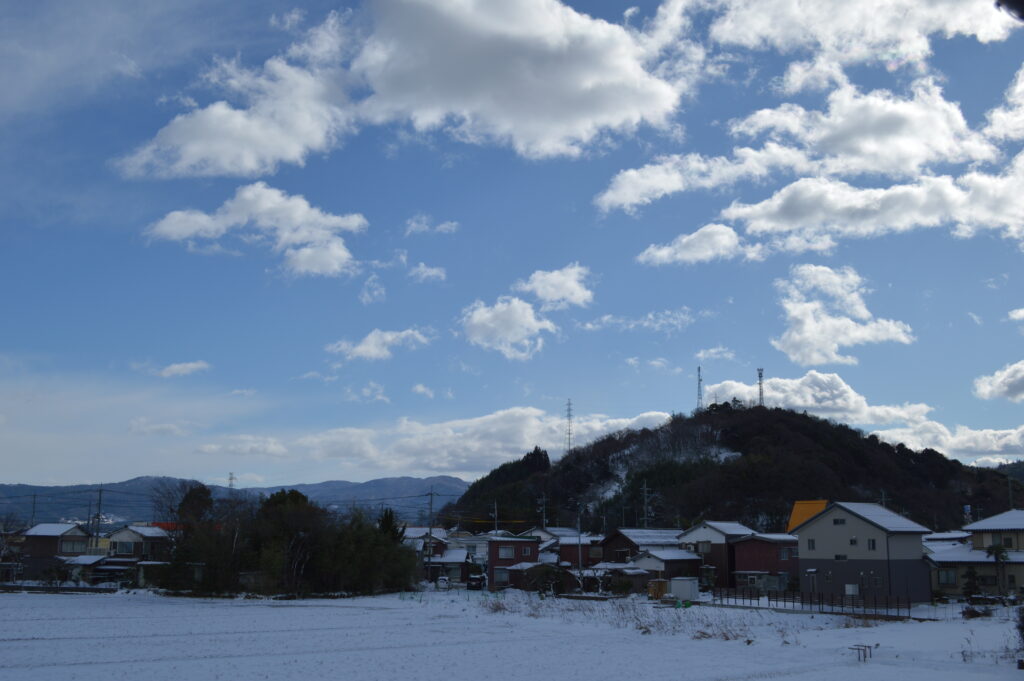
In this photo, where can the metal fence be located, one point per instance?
(892, 606)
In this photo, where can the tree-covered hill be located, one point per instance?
(728, 463)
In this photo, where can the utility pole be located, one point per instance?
(430, 531)
(760, 387)
(32, 522)
(883, 499)
(579, 544)
(99, 517)
(543, 510)
(646, 508)
(495, 516)
(1009, 485)
(700, 390)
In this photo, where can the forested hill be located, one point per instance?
(728, 463)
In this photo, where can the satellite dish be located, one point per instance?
(1014, 7)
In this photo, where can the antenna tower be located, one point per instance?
(231, 480)
(700, 389)
(760, 387)
(568, 426)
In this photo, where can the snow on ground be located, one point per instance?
(449, 636)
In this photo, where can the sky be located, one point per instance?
(322, 241)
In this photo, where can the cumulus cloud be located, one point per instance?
(825, 311)
(307, 236)
(710, 242)
(292, 106)
(246, 445)
(1016, 315)
(378, 344)
(371, 392)
(422, 273)
(1008, 383)
(665, 366)
(1007, 122)
(558, 289)
(422, 224)
(718, 352)
(660, 321)
(183, 369)
(511, 326)
(421, 389)
(536, 75)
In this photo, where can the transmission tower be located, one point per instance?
(700, 390)
(568, 426)
(760, 387)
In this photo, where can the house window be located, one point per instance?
(1008, 542)
(828, 577)
(595, 552)
(506, 553)
(872, 545)
(471, 549)
(125, 548)
(947, 577)
(810, 544)
(704, 547)
(839, 521)
(500, 576)
(784, 554)
(840, 556)
(72, 546)
(853, 541)
(526, 551)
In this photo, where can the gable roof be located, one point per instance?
(667, 554)
(963, 553)
(804, 511)
(877, 515)
(1007, 520)
(145, 531)
(651, 537)
(729, 528)
(769, 537)
(52, 529)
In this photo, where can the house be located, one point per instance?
(667, 563)
(578, 550)
(711, 540)
(43, 544)
(505, 552)
(626, 542)
(953, 561)
(766, 561)
(142, 542)
(860, 549)
(803, 511)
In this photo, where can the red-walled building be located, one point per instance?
(765, 561)
(504, 552)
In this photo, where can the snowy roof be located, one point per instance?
(549, 543)
(1008, 520)
(417, 532)
(963, 553)
(50, 529)
(766, 536)
(669, 554)
(729, 528)
(935, 546)
(522, 566)
(562, 531)
(148, 531)
(883, 517)
(504, 539)
(646, 537)
(581, 539)
(449, 556)
(81, 560)
(548, 557)
(946, 536)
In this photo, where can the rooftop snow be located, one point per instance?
(1008, 520)
(49, 529)
(729, 528)
(963, 553)
(671, 554)
(883, 517)
(645, 537)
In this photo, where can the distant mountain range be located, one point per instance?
(133, 500)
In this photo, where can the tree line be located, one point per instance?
(283, 543)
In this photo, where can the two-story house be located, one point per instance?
(711, 540)
(859, 549)
(954, 562)
(626, 542)
(42, 545)
(765, 561)
(506, 552)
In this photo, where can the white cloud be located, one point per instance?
(1007, 122)
(661, 321)
(876, 132)
(536, 75)
(825, 311)
(636, 187)
(719, 352)
(967, 444)
(292, 106)
(1016, 315)
(888, 32)
(421, 389)
(378, 344)
(710, 242)
(373, 291)
(665, 366)
(422, 224)
(975, 318)
(1008, 382)
(183, 369)
(371, 392)
(633, 361)
(510, 326)
(144, 426)
(308, 236)
(825, 395)
(558, 289)
(422, 273)
(246, 445)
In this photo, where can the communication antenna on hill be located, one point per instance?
(700, 389)
(568, 426)
(231, 480)
(760, 387)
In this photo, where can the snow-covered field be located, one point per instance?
(447, 636)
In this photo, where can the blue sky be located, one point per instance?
(350, 241)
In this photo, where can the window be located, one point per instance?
(595, 552)
(506, 552)
(853, 541)
(784, 554)
(872, 545)
(840, 556)
(471, 549)
(947, 577)
(839, 521)
(810, 544)
(828, 577)
(526, 551)
(125, 548)
(704, 547)
(1008, 542)
(500, 576)
(72, 546)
